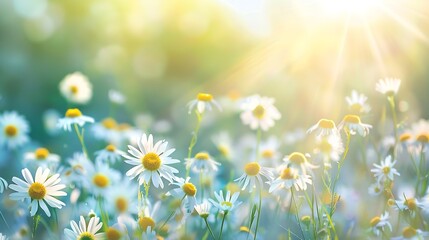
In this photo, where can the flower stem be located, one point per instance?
(194, 137)
(258, 142)
(210, 229)
(391, 100)
(36, 220)
(296, 213)
(259, 213)
(221, 226)
(4, 219)
(171, 214)
(81, 140)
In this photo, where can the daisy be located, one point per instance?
(109, 154)
(73, 116)
(203, 209)
(269, 151)
(187, 191)
(357, 103)
(375, 189)
(14, 130)
(50, 120)
(353, 124)
(149, 234)
(3, 185)
(378, 223)
(388, 86)
(202, 102)
(330, 148)
(106, 130)
(252, 174)
(121, 198)
(76, 88)
(151, 161)
(117, 231)
(42, 157)
(223, 143)
(409, 204)
(289, 177)
(43, 189)
(202, 162)
(101, 177)
(225, 204)
(386, 170)
(410, 233)
(146, 218)
(116, 97)
(299, 160)
(259, 112)
(324, 127)
(83, 231)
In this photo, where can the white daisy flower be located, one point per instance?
(41, 157)
(353, 124)
(109, 154)
(76, 88)
(299, 160)
(259, 112)
(330, 147)
(386, 170)
(388, 86)
(252, 175)
(107, 130)
(420, 131)
(14, 130)
(187, 190)
(50, 121)
(202, 102)
(375, 189)
(80, 165)
(116, 97)
(324, 127)
(409, 204)
(357, 103)
(83, 231)
(378, 223)
(410, 233)
(223, 144)
(117, 231)
(3, 185)
(121, 198)
(203, 209)
(73, 116)
(202, 162)
(147, 219)
(269, 151)
(101, 177)
(149, 234)
(40, 191)
(289, 177)
(225, 204)
(151, 161)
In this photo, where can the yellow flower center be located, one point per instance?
(404, 137)
(252, 169)
(121, 204)
(259, 112)
(73, 113)
(205, 97)
(386, 170)
(244, 229)
(326, 123)
(409, 232)
(74, 89)
(146, 222)
(86, 236)
(297, 158)
(325, 146)
(268, 153)
(306, 219)
(41, 153)
(352, 119)
(110, 148)
(288, 173)
(226, 203)
(356, 108)
(11, 130)
(374, 221)
(124, 126)
(37, 191)
(109, 123)
(223, 150)
(113, 234)
(390, 93)
(411, 203)
(151, 161)
(189, 189)
(391, 202)
(100, 180)
(202, 156)
(423, 138)
(233, 187)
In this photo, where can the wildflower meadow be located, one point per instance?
(214, 119)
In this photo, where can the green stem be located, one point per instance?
(259, 213)
(395, 122)
(103, 214)
(36, 220)
(4, 219)
(258, 142)
(194, 137)
(171, 214)
(296, 213)
(221, 226)
(210, 229)
(81, 140)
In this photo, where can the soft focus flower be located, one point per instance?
(289, 177)
(151, 161)
(3, 237)
(388, 86)
(410, 204)
(83, 231)
(330, 148)
(378, 223)
(259, 112)
(324, 127)
(73, 116)
(76, 88)
(187, 191)
(40, 191)
(202, 162)
(353, 124)
(109, 154)
(357, 103)
(14, 130)
(410, 233)
(223, 143)
(101, 177)
(42, 157)
(202, 102)
(386, 170)
(225, 204)
(116, 97)
(121, 197)
(299, 160)
(3, 185)
(252, 175)
(203, 209)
